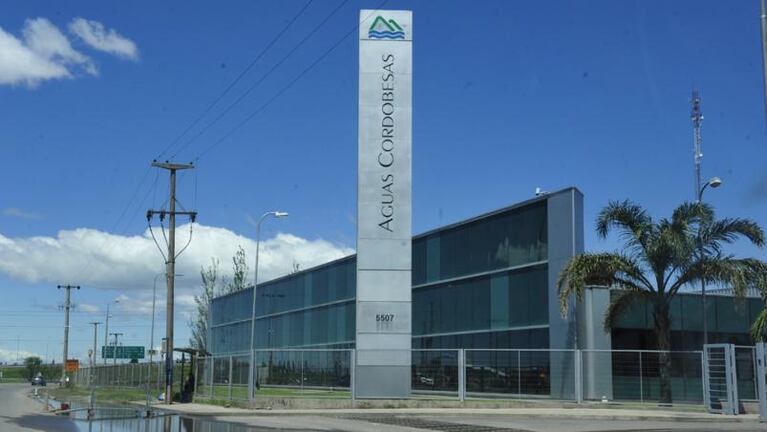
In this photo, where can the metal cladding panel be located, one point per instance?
(383, 382)
(384, 188)
(384, 254)
(396, 286)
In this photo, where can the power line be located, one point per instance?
(282, 90)
(236, 80)
(263, 77)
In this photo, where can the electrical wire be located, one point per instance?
(187, 243)
(263, 77)
(155, 241)
(282, 90)
(237, 79)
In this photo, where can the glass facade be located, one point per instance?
(729, 320)
(478, 284)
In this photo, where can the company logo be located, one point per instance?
(383, 29)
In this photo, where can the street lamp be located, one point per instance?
(714, 182)
(276, 214)
(106, 329)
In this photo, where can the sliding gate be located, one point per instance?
(720, 381)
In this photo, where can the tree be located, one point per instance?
(32, 365)
(199, 323)
(659, 258)
(239, 272)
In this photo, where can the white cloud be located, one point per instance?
(43, 52)
(46, 40)
(96, 259)
(19, 64)
(98, 37)
(87, 308)
(10, 356)
(20, 213)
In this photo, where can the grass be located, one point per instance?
(241, 392)
(12, 374)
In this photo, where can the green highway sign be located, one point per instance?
(123, 352)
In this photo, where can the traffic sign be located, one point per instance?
(122, 352)
(72, 365)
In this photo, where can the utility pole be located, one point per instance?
(106, 328)
(95, 325)
(170, 262)
(67, 305)
(114, 351)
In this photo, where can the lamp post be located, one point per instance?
(251, 369)
(106, 329)
(714, 182)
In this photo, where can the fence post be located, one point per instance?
(212, 365)
(761, 389)
(229, 381)
(641, 379)
(578, 375)
(302, 371)
(462, 375)
(704, 378)
(756, 373)
(519, 374)
(197, 377)
(352, 367)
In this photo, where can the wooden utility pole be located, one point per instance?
(170, 262)
(67, 305)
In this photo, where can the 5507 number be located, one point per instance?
(384, 317)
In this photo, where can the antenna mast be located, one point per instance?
(697, 121)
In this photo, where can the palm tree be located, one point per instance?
(660, 258)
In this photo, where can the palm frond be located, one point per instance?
(600, 269)
(757, 328)
(728, 230)
(738, 274)
(626, 216)
(691, 214)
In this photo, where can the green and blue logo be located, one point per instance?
(383, 29)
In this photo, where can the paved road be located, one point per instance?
(19, 413)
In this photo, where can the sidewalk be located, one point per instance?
(612, 414)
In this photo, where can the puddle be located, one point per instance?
(161, 424)
(133, 419)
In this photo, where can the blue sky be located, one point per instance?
(508, 96)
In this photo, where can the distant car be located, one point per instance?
(38, 381)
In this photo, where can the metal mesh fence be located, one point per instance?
(642, 376)
(745, 366)
(142, 375)
(521, 373)
(597, 375)
(435, 372)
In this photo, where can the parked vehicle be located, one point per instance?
(39, 380)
